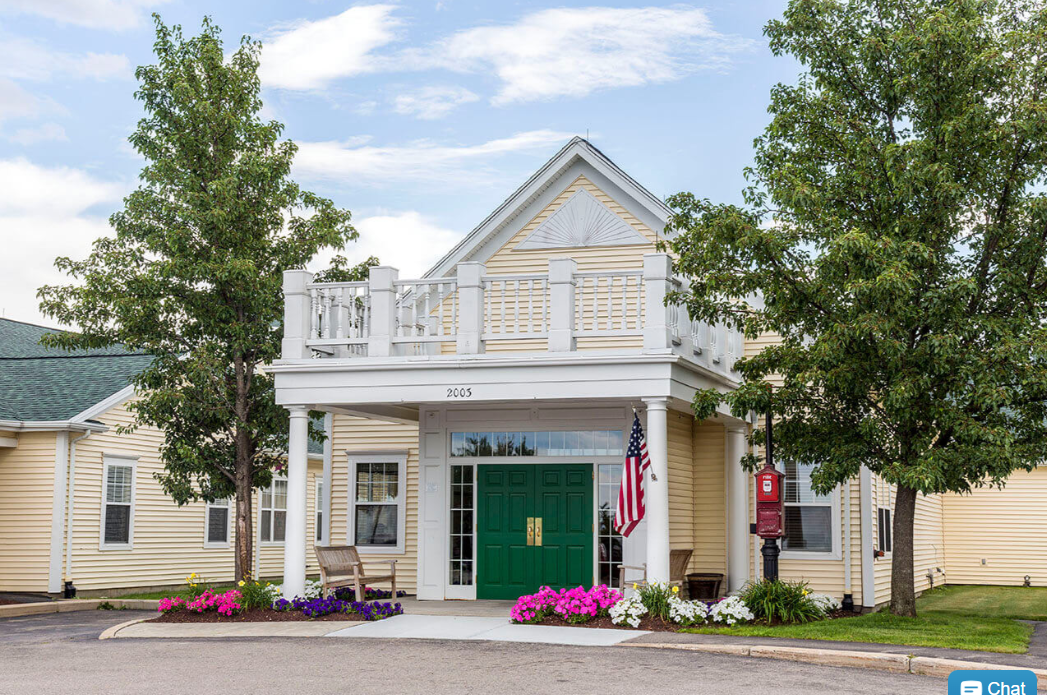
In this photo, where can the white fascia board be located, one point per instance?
(510, 209)
(102, 406)
(51, 426)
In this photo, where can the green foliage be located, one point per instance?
(256, 594)
(895, 230)
(193, 274)
(655, 598)
(777, 601)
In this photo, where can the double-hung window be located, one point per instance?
(118, 497)
(318, 504)
(273, 521)
(809, 517)
(217, 530)
(377, 494)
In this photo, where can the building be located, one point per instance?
(78, 500)
(481, 414)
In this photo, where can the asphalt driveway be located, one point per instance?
(61, 627)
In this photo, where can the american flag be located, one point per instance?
(630, 508)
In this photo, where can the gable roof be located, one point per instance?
(577, 150)
(42, 384)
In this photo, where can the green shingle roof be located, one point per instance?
(38, 383)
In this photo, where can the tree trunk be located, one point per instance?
(903, 587)
(244, 538)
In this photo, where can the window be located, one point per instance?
(808, 516)
(574, 443)
(318, 502)
(461, 525)
(883, 523)
(376, 514)
(273, 524)
(118, 503)
(217, 531)
(609, 541)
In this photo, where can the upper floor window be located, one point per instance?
(273, 524)
(808, 516)
(118, 492)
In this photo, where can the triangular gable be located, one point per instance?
(582, 221)
(578, 157)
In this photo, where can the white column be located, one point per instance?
(294, 539)
(297, 313)
(54, 575)
(470, 308)
(656, 491)
(383, 311)
(328, 476)
(737, 509)
(561, 304)
(657, 272)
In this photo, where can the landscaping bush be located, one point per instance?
(655, 598)
(731, 610)
(572, 605)
(687, 613)
(257, 594)
(786, 602)
(628, 611)
(225, 603)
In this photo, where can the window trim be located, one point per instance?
(884, 530)
(399, 458)
(271, 543)
(208, 506)
(318, 510)
(108, 461)
(835, 531)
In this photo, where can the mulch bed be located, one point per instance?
(254, 615)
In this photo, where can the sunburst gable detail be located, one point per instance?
(582, 221)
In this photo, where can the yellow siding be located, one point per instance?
(681, 481)
(359, 434)
(928, 541)
(1006, 528)
(26, 499)
(168, 540)
(710, 498)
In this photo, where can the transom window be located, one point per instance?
(808, 516)
(217, 523)
(376, 515)
(274, 512)
(118, 503)
(552, 443)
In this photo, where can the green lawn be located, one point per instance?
(157, 595)
(961, 617)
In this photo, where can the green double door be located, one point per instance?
(534, 528)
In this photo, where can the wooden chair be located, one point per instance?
(678, 561)
(340, 565)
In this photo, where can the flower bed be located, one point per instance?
(657, 606)
(255, 601)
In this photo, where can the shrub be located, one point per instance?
(257, 594)
(655, 597)
(786, 602)
(731, 610)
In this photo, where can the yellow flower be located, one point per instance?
(805, 592)
(634, 586)
(676, 589)
(241, 582)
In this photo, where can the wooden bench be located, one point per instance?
(678, 561)
(340, 565)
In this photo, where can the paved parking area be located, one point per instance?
(62, 627)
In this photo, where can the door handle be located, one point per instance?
(538, 531)
(530, 530)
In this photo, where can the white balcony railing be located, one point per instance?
(565, 308)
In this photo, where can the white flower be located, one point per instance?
(628, 611)
(687, 612)
(825, 603)
(731, 610)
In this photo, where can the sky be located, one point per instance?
(419, 117)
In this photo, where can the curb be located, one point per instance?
(110, 633)
(879, 661)
(16, 610)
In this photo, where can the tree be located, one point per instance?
(895, 225)
(193, 275)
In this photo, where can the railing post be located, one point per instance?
(383, 311)
(657, 276)
(561, 304)
(470, 308)
(297, 308)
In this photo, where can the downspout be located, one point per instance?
(71, 492)
(757, 573)
(848, 595)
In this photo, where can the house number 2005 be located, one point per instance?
(460, 392)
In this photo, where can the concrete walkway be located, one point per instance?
(479, 609)
(448, 627)
(290, 628)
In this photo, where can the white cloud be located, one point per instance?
(15, 102)
(419, 161)
(433, 102)
(46, 212)
(45, 133)
(575, 51)
(96, 14)
(406, 240)
(307, 55)
(27, 59)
